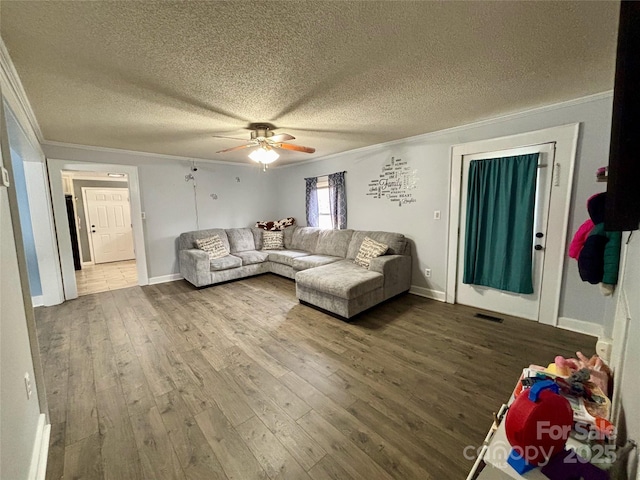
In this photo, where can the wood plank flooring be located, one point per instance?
(240, 381)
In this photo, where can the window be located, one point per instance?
(324, 203)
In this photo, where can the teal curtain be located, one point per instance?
(499, 229)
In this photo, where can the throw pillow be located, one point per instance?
(265, 225)
(369, 249)
(272, 241)
(284, 223)
(213, 246)
(276, 225)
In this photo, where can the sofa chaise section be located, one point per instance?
(346, 289)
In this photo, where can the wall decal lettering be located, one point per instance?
(395, 182)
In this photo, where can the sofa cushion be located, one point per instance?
(257, 237)
(288, 236)
(311, 261)
(369, 249)
(333, 242)
(285, 257)
(272, 241)
(305, 238)
(342, 279)
(240, 239)
(225, 263)
(252, 256)
(187, 240)
(213, 246)
(396, 241)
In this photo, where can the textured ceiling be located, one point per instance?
(164, 76)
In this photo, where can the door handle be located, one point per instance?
(539, 247)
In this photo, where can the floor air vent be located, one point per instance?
(489, 317)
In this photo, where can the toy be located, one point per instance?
(598, 370)
(538, 424)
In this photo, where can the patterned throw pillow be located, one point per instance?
(369, 249)
(277, 225)
(213, 246)
(272, 240)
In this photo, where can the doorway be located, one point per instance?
(100, 227)
(122, 269)
(543, 305)
(525, 305)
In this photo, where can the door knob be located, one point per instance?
(539, 247)
(539, 235)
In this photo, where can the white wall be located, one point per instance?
(626, 354)
(19, 416)
(168, 200)
(20, 137)
(431, 155)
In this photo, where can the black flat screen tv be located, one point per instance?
(623, 185)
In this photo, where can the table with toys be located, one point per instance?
(555, 426)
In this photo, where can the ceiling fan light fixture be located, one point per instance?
(264, 155)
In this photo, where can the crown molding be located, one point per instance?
(135, 153)
(488, 121)
(17, 99)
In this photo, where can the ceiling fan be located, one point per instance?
(266, 141)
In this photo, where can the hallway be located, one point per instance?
(106, 276)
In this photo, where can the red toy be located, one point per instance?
(538, 424)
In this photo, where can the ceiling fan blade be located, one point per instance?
(297, 148)
(281, 137)
(232, 138)
(233, 149)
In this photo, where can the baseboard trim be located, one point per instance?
(581, 326)
(37, 301)
(38, 467)
(428, 293)
(165, 278)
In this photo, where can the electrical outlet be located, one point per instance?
(27, 384)
(436, 215)
(427, 272)
(143, 215)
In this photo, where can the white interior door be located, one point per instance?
(520, 305)
(109, 224)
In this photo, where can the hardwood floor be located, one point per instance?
(240, 381)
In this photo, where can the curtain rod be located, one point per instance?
(327, 174)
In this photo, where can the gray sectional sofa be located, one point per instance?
(320, 261)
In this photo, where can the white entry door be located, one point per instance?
(487, 298)
(109, 224)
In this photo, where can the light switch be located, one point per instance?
(5, 178)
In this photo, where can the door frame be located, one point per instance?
(56, 167)
(566, 139)
(87, 222)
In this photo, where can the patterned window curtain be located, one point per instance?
(312, 202)
(338, 200)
